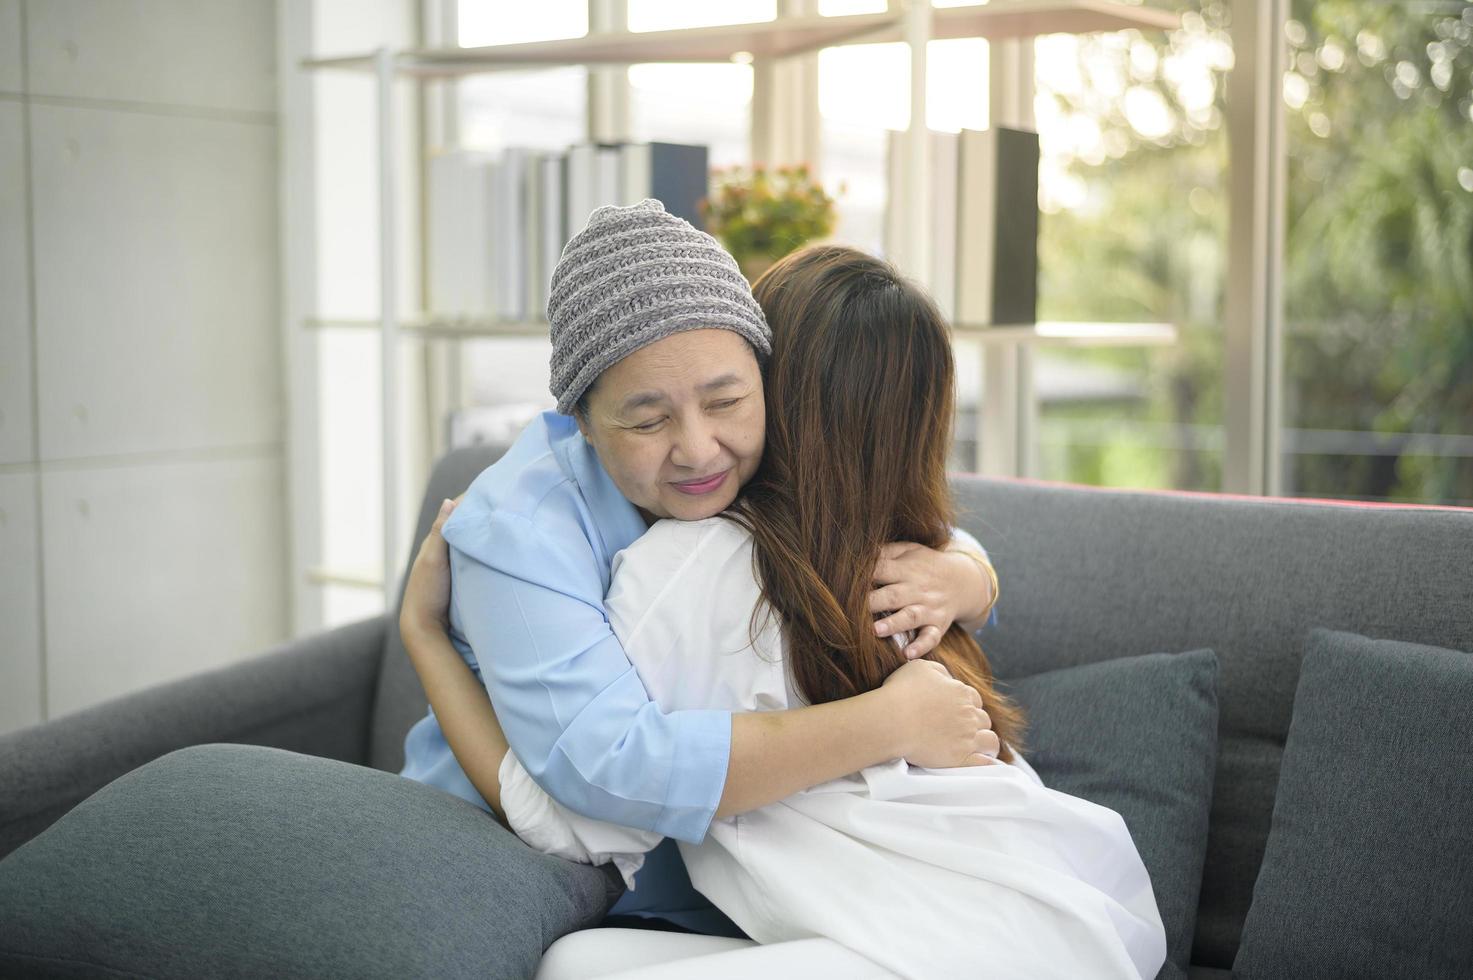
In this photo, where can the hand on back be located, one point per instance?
(426, 606)
(921, 590)
(940, 721)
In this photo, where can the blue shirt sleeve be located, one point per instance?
(573, 707)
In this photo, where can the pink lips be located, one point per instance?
(697, 487)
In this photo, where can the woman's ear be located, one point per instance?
(580, 415)
(581, 410)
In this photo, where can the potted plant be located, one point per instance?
(762, 214)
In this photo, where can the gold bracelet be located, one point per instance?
(988, 571)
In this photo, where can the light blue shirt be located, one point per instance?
(531, 548)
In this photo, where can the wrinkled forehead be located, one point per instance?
(692, 365)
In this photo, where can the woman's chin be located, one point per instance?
(698, 508)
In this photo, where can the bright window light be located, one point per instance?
(669, 15)
(483, 22)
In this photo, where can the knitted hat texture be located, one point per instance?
(633, 276)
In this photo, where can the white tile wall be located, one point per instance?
(217, 54)
(10, 74)
(15, 312)
(158, 522)
(156, 281)
(20, 609)
(160, 571)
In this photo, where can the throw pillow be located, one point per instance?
(1368, 871)
(244, 861)
(1137, 735)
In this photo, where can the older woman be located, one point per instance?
(656, 366)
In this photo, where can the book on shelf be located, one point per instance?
(592, 181)
(509, 212)
(997, 227)
(534, 297)
(459, 242)
(982, 219)
(497, 224)
(940, 215)
(553, 228)
(675, 174)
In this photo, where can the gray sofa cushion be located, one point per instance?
(1370, 859)
(1090, 575)
(244, 861)
(1137, 735)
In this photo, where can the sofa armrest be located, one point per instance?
(313, 695)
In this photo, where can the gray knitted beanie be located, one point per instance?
(633, 276)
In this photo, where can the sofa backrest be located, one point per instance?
(1089, 574)
(400, 700)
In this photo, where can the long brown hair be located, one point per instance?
(860, 391)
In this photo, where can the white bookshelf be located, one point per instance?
(785, 37)
(1060, 333)
(999, 20)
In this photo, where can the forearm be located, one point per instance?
(464, 711)
(775, 754)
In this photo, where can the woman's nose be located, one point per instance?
(696, 447)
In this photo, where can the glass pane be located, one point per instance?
(542, 110)
(669, 15)
(1378, 278)
(838, 8)
(863, 93)
(1133, 193)
(706, 104)
(483, 22)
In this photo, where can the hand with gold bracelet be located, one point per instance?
(926, 590)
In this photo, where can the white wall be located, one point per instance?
(142, 485)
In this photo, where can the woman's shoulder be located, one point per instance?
(543, 495)
(679, 566)
(682, 602)
(673, 543)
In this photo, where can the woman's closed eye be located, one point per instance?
(726, 403)
(649, 425)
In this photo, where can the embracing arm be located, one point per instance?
(775, 754)
(452, 688)
(601, 747)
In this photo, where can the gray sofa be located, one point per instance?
(1088, 575)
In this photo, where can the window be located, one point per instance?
(705, 104)
(1133, 190)
(543, 109)
(1378, 277)
(709, 105)
(863, 94)
(669, 15)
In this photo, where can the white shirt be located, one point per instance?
(928, 872)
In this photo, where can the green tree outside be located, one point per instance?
(1378, 355)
